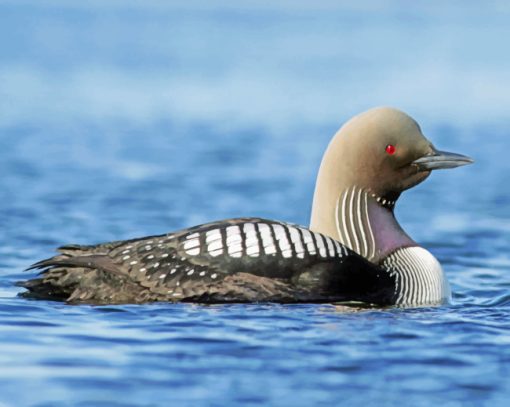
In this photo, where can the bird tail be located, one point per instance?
(60, 276)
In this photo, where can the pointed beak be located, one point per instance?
(439, 160)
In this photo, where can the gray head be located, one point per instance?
(381, 152)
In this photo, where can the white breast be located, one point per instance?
(420, 279)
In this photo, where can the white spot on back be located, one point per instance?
(215, 253)
(283, 242)
(215, 248)
(267, 238)
(252, 251)
(192, 246)
(233, 234)
(331, 247)
(310, 244)
(234, 241)
(235, 250)
(252, 240)
(192, 252)
(212, 235)
(295, 237)
(320, 244)
(340, 249)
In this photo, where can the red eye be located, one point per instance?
(390, 149)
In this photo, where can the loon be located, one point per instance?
(354, 251)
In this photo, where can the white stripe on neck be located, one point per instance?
(419, 278)
(353, 222)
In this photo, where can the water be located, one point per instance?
(124, 119)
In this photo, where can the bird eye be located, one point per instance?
(390, 149)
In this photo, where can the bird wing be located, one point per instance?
(241, 260)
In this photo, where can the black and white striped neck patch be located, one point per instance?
(353, 222)
(419, 277)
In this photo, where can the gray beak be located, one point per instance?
(440, 160)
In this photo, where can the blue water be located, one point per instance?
(122, 118)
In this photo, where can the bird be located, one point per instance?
(353, 252)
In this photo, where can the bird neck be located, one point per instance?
(363, 222)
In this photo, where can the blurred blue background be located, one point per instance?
(127, 118)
